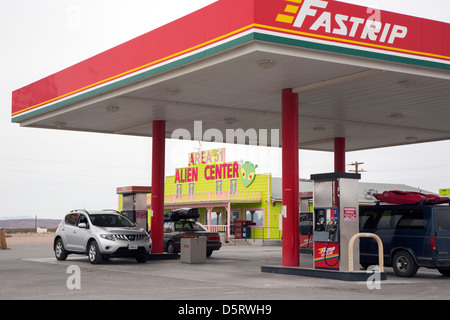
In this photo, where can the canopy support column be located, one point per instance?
(158, 173)
(339, 154)
(339, 163)
(290, 173)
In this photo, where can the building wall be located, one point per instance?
(204, 183)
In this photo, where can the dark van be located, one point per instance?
(413, 236)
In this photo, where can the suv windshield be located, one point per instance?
(110, 221)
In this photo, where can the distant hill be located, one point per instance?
(17, 217)
(28, 223)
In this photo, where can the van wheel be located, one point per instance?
(404, 264)
(171, 247)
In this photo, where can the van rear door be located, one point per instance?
(442, 217)
(378, 220)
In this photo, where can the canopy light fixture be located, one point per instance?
(173, 91)
(407, 84)
(112, 109)
(267, 64)
(396, 115)
(229, 120)
(60, 125)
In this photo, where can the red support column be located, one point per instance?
(339, 154)
(158, 159)
(291, 241)
(339, 164)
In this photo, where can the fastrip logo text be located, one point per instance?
(358, 25)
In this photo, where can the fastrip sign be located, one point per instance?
(346, 25)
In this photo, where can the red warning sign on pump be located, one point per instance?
(349, 214)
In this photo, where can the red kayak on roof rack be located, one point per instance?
(409, 197)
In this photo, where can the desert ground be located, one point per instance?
(29, 238)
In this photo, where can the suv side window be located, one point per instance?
(71, 219)
(168, 227)
(82, 219)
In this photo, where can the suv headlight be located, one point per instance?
(108, 237)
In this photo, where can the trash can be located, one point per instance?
(247, 231)
(193, 250)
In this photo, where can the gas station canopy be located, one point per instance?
(375, 78)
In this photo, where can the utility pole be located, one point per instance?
(356, 164)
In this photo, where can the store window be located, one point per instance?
(256, 215)
(233, 187)
(191, 188)
(179, 190)
(216, 218)
(219, 187)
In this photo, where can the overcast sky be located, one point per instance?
(47, 173)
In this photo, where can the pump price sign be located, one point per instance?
(326, 255)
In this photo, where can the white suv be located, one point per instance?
(100, 235)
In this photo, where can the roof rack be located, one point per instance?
(84, 210)
(182, 214)
(113, 210)
(410, 197)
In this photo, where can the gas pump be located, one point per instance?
(336, 219)
(326, 238)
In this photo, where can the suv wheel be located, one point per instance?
(95, 257)
(60, 252)
(171, 247)
(142, 259)
(404, 264)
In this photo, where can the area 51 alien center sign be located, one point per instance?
(248, 173)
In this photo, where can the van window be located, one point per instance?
(368, 220)
(409, 219)
(377, 218)
(443, 219)
(385, 220)
(393, 218)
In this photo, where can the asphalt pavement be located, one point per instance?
(31, 272)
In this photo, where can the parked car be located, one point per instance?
(413, 236)
(178, 224)
(100, 235)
